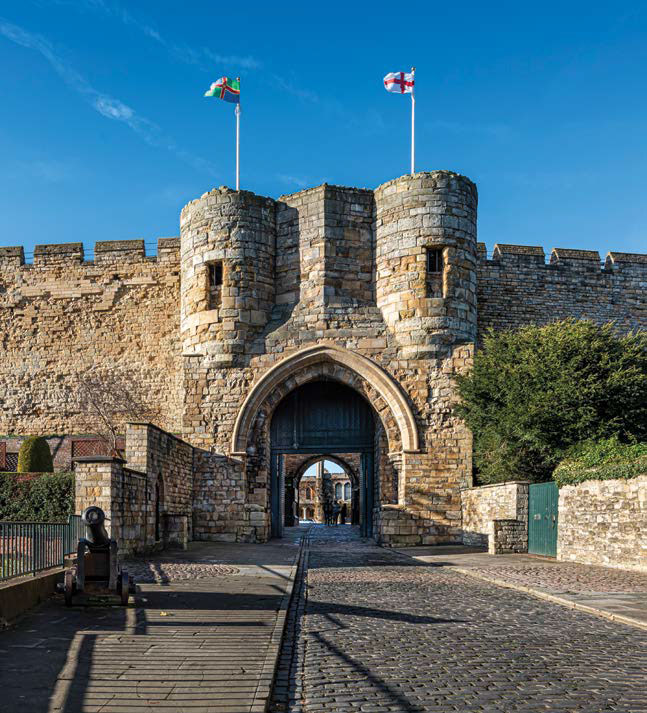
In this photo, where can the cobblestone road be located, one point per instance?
(376, 631)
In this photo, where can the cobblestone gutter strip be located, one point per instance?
(267, 677)
(563, 601)
(287, 693)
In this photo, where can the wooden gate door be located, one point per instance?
(543, 499)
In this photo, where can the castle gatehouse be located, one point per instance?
(330, 322)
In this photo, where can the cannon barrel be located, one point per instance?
(94, 519)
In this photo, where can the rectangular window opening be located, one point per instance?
(434, 260)
(434, 276)
(214, 287)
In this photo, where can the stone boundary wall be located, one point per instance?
(516, 287)
(149, 505)
(167, 462)
(496, 516)
(604, 522)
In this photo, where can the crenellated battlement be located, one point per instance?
(383, 291)
(533, 256)
(105, 252)
(518, 286)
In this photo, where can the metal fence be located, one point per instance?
(30, 547)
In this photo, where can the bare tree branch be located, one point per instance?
(109, 398)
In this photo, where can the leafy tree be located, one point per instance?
(35, 456)
(536, 391)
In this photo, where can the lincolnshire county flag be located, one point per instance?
(399, 82)
(225, 88)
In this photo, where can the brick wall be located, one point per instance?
(604, 522)
(63, 449)
(496, 516)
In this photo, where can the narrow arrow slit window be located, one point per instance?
(434, 273)
(214, 286)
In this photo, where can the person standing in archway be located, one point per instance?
(342, 513)
(335, 512)
(327, 508)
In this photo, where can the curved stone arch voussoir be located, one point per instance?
(309, 460)
(380, 388)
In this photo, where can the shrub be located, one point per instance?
(535, 392)
(602, 460)
(41, 498)
(34, 456)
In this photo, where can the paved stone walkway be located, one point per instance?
(614, 593)
(374, 630)
(202, 636)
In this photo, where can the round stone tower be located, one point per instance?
(227, 261)
(425, 252)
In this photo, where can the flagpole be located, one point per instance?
(413, 121)
(238, 141)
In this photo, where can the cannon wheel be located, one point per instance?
(69, 587)
(124, 585)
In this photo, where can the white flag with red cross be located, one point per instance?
(399, 82)
(402, 83)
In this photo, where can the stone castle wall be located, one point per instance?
(148, 498)
(516, 287)
(604, 522)
(62, 315)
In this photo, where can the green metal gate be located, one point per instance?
(543, 499)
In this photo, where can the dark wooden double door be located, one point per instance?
(323, 417)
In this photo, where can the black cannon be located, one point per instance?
(97, 571)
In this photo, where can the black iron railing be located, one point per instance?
(30, 547)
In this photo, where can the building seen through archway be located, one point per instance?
(320, 482)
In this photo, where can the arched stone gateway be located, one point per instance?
(325, 361)
(380, 444)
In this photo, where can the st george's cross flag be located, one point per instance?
(399, 82)
(225, 88)
(402, 83)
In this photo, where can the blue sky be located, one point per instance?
(105, 134)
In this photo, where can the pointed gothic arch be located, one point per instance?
(332, 362)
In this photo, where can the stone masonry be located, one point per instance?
(496, 516)
(384, 291)
(604, 522)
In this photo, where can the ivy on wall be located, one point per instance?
(603, 460)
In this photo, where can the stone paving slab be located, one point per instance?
(616, 594)
(194, 640)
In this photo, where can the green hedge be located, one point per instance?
(603, 460)
(36, 498)
(35, 456)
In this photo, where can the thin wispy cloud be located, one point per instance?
(202, 57)
(108, 106)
